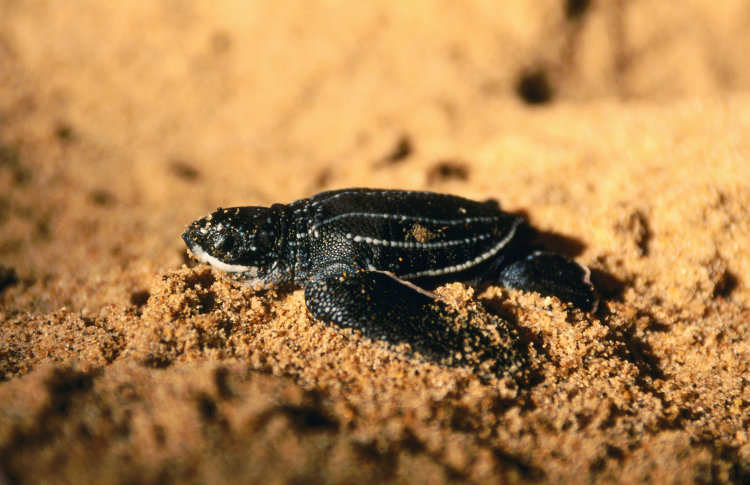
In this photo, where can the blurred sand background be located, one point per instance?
(620, 127)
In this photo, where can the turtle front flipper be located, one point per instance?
(552, 274)
(387, 308)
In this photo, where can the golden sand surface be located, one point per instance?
(620, 128)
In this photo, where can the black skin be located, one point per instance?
(367, 258)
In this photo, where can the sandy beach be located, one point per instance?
(620, 129)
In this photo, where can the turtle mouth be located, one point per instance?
(245, 275)
(203, 256)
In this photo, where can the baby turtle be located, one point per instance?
(366, 259)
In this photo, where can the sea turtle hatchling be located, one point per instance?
(367, 258)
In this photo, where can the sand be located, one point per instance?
(619, 128)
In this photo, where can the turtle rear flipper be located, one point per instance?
(552, 274)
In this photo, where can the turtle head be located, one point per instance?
(243, 241)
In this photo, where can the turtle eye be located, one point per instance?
(224, 242)
(228, 244)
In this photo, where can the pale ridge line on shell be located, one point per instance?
(416, 244)
(399, 217)
(468, 264)
(362, 192)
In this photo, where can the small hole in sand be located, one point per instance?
(139, 298)
(101, 197)
(7, 277)
(534, 87)
(447, 170)
(576, 9)
(400, 151)
(64, 132)
(184, 170)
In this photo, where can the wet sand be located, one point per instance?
(620, 129)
